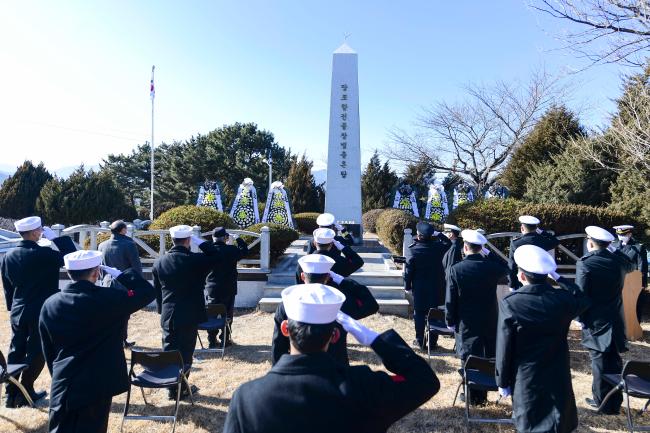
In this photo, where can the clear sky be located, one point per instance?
(74, 75)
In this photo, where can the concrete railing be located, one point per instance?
(83, 233)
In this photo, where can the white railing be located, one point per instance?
(89, 233)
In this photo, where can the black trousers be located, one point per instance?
(420, 320)
(605, 363)
(25, 348)
(229, 302)
(182, 339)
(88, 419)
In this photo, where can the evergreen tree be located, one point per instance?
(19, 192)
(83, 198)
(419, 175)
(549, 137)
(377, 183)
(301, 185)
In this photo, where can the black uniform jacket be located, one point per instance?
(354, 306)
(600, 275)
(30, 275)
(545, 241)
(533, 355)
(638, 254)
(471, 304)
(347, 262)
(346, 240)
(454, 254)
(179, 279)
(424, 274)
(81, 332)
(312, 393)
(222, 280)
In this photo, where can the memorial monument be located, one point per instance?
(343, 194)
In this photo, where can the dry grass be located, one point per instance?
(217, 379)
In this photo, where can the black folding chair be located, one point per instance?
(436, 324)
(217, 320)
(478, 374)
(160, 369)
(9, 374)
(634, 381)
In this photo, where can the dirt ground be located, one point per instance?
(218, 378)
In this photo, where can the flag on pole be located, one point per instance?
(152, 90)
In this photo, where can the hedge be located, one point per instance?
(390, 228)
(306, 222)
(281, 237)
(205, 217)
(369, 220)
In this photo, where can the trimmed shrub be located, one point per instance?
(101, 237)
(390, 228)
(205, 217)
(369, 220)
(281, 238)
(306, 222)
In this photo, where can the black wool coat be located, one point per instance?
(453, 255)
(424, 275)
(347, 261)
(533, 355)
(545, 241)
(638, 254)
(471, 304)
(600, 275)
(30, 275)
(313, 393)
(81, 332)
(221, 282)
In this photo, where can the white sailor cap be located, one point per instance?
(28, 224)
(451, 227)
(534, 259)
(324, 236)
(325, 220)
(599, 234)
(316, 263)
(623, 228)
(473, 237)
(180, 232)
(247, 181)
(82, 259)
(315, 304)
(528, 219)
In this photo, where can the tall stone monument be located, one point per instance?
(343, 194)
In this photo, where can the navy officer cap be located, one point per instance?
(219, 232)
(425, 229)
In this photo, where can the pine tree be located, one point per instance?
(19, 192)
(301, 185)
(377, 183)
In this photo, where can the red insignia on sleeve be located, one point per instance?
(398, 378)
(359, 303)
(130, 293)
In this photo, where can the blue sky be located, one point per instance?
(74, 75)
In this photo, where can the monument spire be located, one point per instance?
(343, 194)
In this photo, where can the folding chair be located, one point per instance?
(436, 323)
(217, 320)
(634, 381)
(9, 373)
(160, 370)
(478, 374)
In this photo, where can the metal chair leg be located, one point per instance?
(179, 386)
(456, 395)
(126, 407)
(143, 397)
(646, 406)
(224, 337)
(617, 388)
(198, 334)
(189, 389)
(466, 389)
(22, 390)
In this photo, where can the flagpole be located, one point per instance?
(152, 143)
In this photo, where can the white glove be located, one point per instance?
(554, 275)
(435, 233)
(611, 248)
(336, 277)
(485, 252)
(452, 328)
(363, 335)
(196, 240)
(505, 392)
(339, 227)
(49, 233)
(538, 231)
(113, 272)
(338, 245)
(234, 236)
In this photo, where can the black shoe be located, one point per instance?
(10, 402)
(21, 401)
(214, 345)
(416, 344)
(592, 403)
(128, 344)
(229, 343)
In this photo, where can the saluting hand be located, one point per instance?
(336, 277)
(338, 245)
(113, 272)
(554, 275)
(49, 233)
(196, 240)
(362, 334)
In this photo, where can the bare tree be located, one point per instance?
(626, 143)
(611, 31)
(475, 138)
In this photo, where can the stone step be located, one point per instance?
(397, 307)
(379, 292)
(379, 278)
